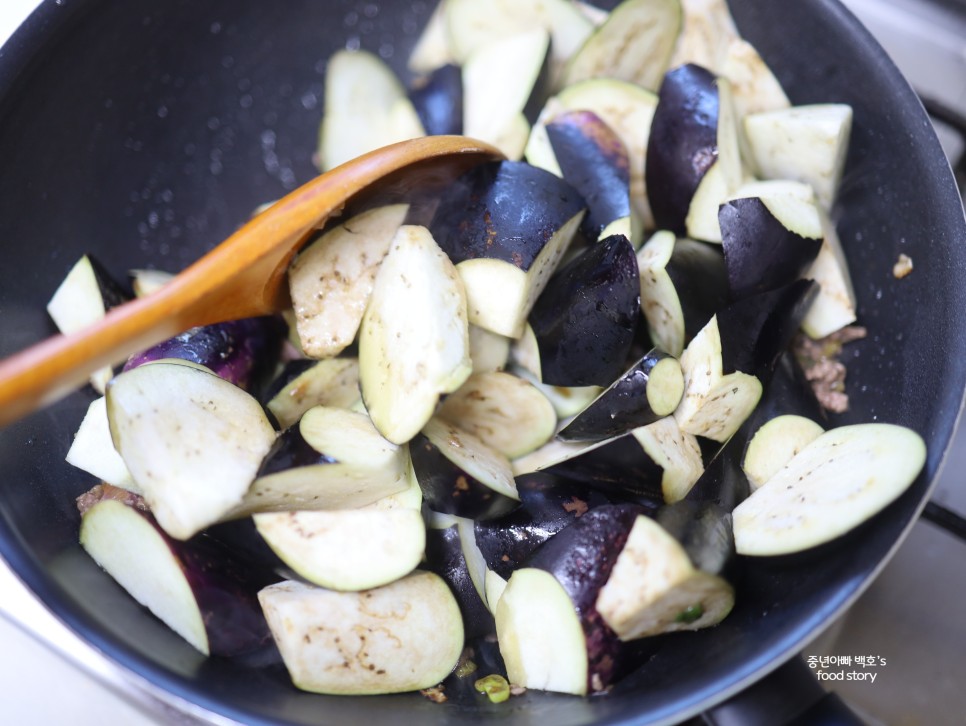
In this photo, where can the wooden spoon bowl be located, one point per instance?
(244, 276)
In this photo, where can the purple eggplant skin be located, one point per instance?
(683, 143)
(788, 392)
(581, 557)
(224, 585)
(110, 289)
(757, 329)
(618, 467)
(723, 482)
(505, 210)
(290, 451)
(619, 409)
(444, 556)
(761, 254)
(584, 321)
(548, 504)
(242, 537)
(594, 159)
(448, 489)
(438, 101)
(244, 352)
(698, 271)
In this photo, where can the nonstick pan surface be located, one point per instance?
(146, 131)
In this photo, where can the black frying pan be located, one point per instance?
(146, 130)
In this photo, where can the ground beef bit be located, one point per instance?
(435, 694)
(823, 369)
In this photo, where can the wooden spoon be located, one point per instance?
(244, 276)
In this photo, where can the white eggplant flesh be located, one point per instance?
(489, 351)
(625, 107)
(675, 451)
(414, 339)
(129, 548)
(541, 639)
(331, 279)
(432, 48)
(93, 449)
(707, 29)
(347, 550)
(505, 412)
(835, 305)
(351, 465)
(714, 404)
(498, 80)
(654, 588)
(634, 44)
(192, 441)
(774, 444)
(332, 382)
(473, 24)
(660, 302)
(804, 143)
(834, 484)
(145, 281)
(404, 636)
(363, 99)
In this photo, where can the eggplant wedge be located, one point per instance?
(92, 449)
(835, 305)
(818, 495)
(332, 278)
(584, 321)
(304, 384)
(414, 339)
(683, 284)
(774, 444)
(84, 297)
(506, 258)
(648, 391)
(199, 589)
(503, 411)
(404, 636)
(670, 574)
(488, 351)
(461, 475)
(438, 100)
(192, 441)
(333, 459)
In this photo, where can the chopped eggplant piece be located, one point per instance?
(146, 281)
(333, 459)
(692, 132)
(706, 33)
(365, 108)
(503, 411)
(197, 588)
(625, 107)
(488, 351)
(349, 549)
(683, 284)
(835, 306)
(472, 24)
(506, 226)
(404, 636)
(461, 475)
(774, 445)
(332, 278)
(650, 390)
(333, 382)
(804, 143)
(584, 322)
(634, 44)
(93, 449)
(192, 441)
(593, 158)
(438, 100)
(667, 577)
(414, 340)
(768, 242)
(243, 352)
(503, 80)
(723, 482)
(452, 555)
(540, 634)
(83, 298)
(841, 479)
(432, 49)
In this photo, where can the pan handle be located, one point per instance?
(788, 696)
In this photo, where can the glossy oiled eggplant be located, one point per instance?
(506, 226)
(244, 352)
(585, 320)
(649, 390)
(198, 588)
(447, 557)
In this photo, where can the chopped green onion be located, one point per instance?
(690, 614)
(495, 687)
(465, 668)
